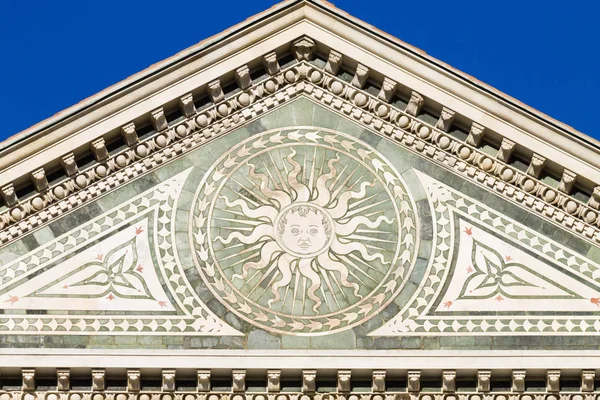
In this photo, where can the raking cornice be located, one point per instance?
(262, 41)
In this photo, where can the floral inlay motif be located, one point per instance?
(496, 276)
(117, 274)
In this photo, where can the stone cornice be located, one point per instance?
(349, 99)
(364, 383)
(334, 29)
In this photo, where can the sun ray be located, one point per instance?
(325, 298)
(359, 202)
(258, 271)
(250, 257)
(262, 219)
(302, 192)
(284, 164)
(328, 263)
(343, 184)
(237, 228)
(323, 160)
(239, 193)
(282, 181)
(304, 178)
(265, 276)
(360, 179)
(267, 251)
(370, 246)
(359, 237)
(305, 268)
(282, 198)
(323, 192)
(283, 268)
(269, 285)
(362, 262)
(271, 176)
(296, 283)
(338, 285)
(231, 247)
(258, 196)
(287, 289)
(239, 221)
(373, 231)
(374, 213)
(303, 293)
(227, 210)
(353, 212)
(311, 179)
(337, 179)
(249, 249)
(326, 279)
(349, 262)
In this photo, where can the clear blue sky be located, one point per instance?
(56, 53)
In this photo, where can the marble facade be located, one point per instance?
(302, 225)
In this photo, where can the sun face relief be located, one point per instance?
(303, 231)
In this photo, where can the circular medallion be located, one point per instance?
(303, 231)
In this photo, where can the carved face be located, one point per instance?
(304, 230)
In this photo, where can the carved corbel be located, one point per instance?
(309, 381)
(387, 90)
(343, 381)
(159, 120)
(69, 164)
(186, 105)
(506, 149)
(63, 379)
(445, 121)
(475, 135)
(414, 104)
(518, 381)
(360, 76)
(334, 62)
(98, 380)
(215, 91)
(483, 381)
(274, 381)
(536, 166)
(239, 380)
(129, 134)
(587, 380)
(38, 178)
(242, 77)
(594, 200)
(567, 181)
(168, 380)
(378, 381)
(552, 380)
(303, 48)
(448, 381)
(414, 381)
(270, 63)
(28, 379)
(9, 195)
(99, 150)
(204, 380)
(133, 380)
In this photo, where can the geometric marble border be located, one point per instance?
(160, 202)
(417, 319)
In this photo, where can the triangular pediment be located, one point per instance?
(301, 184)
